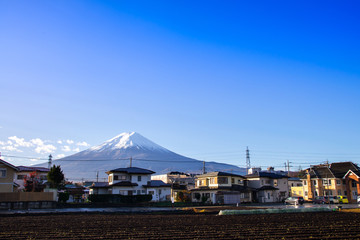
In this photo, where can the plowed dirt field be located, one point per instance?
(329, 225)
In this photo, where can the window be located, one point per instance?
(116, 177)
(305, 183)
(159, 191)
(344, 182)
(345, 192)
(222, 180)
(138, 192)
(212, 180)
(19, 177)
(353, 184)
(305, 193)
(325, 181)
(110, 178)
(314, 182)
(123, 177)
(232, 180)
(339, 192)
(275, 183)
(329, 181)
(267, 181)
(2, 172)
(338, 182)
(139, 178)
(143, 191)
(316, 193)
(241, 182)
(268, 195)
(151, 192)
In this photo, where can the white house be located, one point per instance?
(159, 190)
(128, 181)
(270, 187)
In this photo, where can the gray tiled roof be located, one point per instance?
(131, 170)
(267, 175)
(213, 174)
(156, 183)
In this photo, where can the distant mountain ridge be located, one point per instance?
(117, 152)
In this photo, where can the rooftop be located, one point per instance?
(131, 170)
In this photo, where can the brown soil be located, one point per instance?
(329, 225)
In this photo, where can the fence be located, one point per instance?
(27, 196)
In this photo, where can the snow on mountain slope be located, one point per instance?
(144, 153)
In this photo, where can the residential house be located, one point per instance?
(180, 182)
(132, 181)
(7, 174)
(159, 190)
(295, 187)
(221, 188)
(99, 188)
(269, 186)
(129, 181)
(333, 179)
(24, 172)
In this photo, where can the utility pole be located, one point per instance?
(204, 167)
(130, 161)
(287, 167)
(49, 162)
(97, 176)
(248, 166)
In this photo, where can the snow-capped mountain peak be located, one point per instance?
(128, 140)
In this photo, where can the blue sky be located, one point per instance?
(204, 79)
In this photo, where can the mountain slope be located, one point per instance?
(118, 151)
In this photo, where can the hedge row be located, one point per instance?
(117, 198)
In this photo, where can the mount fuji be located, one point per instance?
(132, 148)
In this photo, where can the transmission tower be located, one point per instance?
(247, 160)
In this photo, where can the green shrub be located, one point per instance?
(63, 197)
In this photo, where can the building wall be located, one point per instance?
(7, 181)
(337, 186)
(218, 181)
(160, 194)
(297, 191)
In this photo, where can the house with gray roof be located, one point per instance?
(132, 181)
(221, 188)
(269, 187)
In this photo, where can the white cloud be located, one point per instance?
(59, 142)
(66, 149)
(60, 156)
(41, 147)
(48, 148)
(69, 141)
(2, 143)
(20, 142)
(34, 160)
(83, 144)
(37, 141)
(76, 149)
(11, 148)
